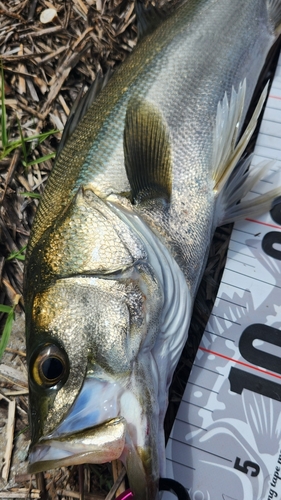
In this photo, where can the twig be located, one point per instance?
(46, 31)
(10, 437)
(24, 392)
(41, 485)
(116, 485)
(81, 8)
(81, 481)
(15, 351)
(117, 469)
(9, 13)
(74, 494)
(23, 57)
(10, 173)
(57, 82)
(10, 381)
(52, 55)
(17, 375)
(21, 493)
(22, 69)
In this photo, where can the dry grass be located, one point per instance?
(45, 66)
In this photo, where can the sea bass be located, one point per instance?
(145, 174)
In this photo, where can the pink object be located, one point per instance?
(127, 495)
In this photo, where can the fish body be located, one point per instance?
(122, 234)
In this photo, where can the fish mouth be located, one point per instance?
(98, 444)
(106, 422)
(94, 431)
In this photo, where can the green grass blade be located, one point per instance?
(6, 332)
(18, 142)
(44, 135)
(30, 194)
(22, 141)
(18, 254)
(39, 160)
(9, 148)
(4, 135)
(5, 309)
(22, 431)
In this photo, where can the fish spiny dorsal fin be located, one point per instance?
(149, 17)
(274, 11)
(147, 152)
(81, 106)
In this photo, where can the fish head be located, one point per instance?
(93, 309)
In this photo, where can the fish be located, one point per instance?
(149, 165)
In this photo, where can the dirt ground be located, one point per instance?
(50, 50)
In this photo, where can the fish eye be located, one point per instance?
(50, 367)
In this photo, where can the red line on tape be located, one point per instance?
(274, 97)
(240, 362)
(263, 223)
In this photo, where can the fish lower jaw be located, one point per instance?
(96, 445)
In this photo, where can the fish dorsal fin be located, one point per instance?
(81, 106)
(147, 152)
(148, 18)
(274, 11)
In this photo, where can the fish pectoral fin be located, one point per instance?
(147, 151)
(274, 11)
(232, 177)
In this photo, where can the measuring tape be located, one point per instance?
(226, 439)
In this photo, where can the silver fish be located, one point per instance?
(121, 237)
